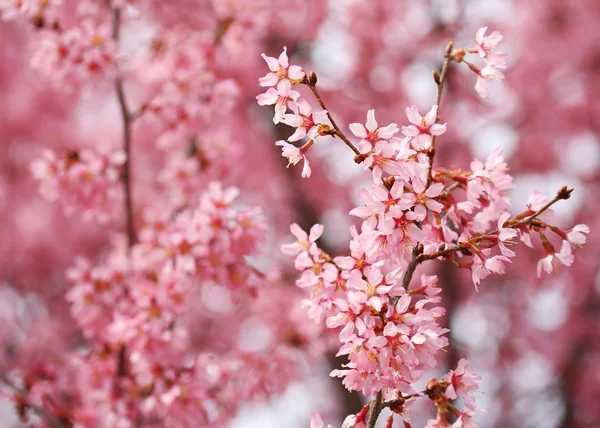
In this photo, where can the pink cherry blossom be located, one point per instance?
(423, 127)
(280, 69)
(295, 155)
(305, 121)
(283, 97)
(371, 133)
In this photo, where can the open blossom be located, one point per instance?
(305, 121)
(281, 69)
(295, 155)
(424, 199)
(305, 247)
(463, 381)
(423, 127)
(486, 47)
(370, 133)
(550, 262)
(282, 97)
(576, 236)
(489, 74)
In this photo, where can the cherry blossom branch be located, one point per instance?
(127, 118)
(562, 194)
(376, 409)
(311, 82)
(439, 80)
(51, 420)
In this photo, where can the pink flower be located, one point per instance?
(371, 133)
(484, 265)
(304, 248)
(422, 128)
(282, 97)
(423, 198)
(280, 69)
(295, 154)
(505, 235)
(463, 381)
(317, 422)
(486, 45)
(306, 122)
(576, 236)
(550, 262)
(489, 74)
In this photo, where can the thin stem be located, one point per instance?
(375, 410)
(51, 420)
(337, 131)
(563, 193)
(438, 100)
(126, 118)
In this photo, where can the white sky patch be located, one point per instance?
(417, 82)
(494, 135)
(254, 336)
(217, 298)
(582, 154)
(333, 69)
(336, 224)
(290, 410)
(548, 309)
(532, 372)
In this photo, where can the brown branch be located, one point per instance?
(563, 193)
(439, 80)
(127, 118)
(311, 82)
(376, 409)
(41, 412)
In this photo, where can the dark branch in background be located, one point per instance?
(50, 420)
(127, 117)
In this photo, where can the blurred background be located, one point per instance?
(536, 342)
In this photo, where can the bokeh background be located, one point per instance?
(536, 342)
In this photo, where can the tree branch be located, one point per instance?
(439, 80)
(41, 412)
(127, 118)
(375, 410)
(311, 82)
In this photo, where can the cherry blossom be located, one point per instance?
(371, 133)
(423, 127)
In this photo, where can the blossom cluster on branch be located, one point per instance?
(414, 212)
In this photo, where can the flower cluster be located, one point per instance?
(136, 306)
(414, 212)
(86, 181)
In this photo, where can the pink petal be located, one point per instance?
(431, 116)
(437, 129)
(358, 130)
(413, 115)
(283, 58)
(271, 62)
(371, 124)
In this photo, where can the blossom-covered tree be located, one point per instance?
(143, 209)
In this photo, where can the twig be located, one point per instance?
(126, 117)
(440, 86)
(375, 410)
(51, 420)
(311, 82)
(563, 193)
